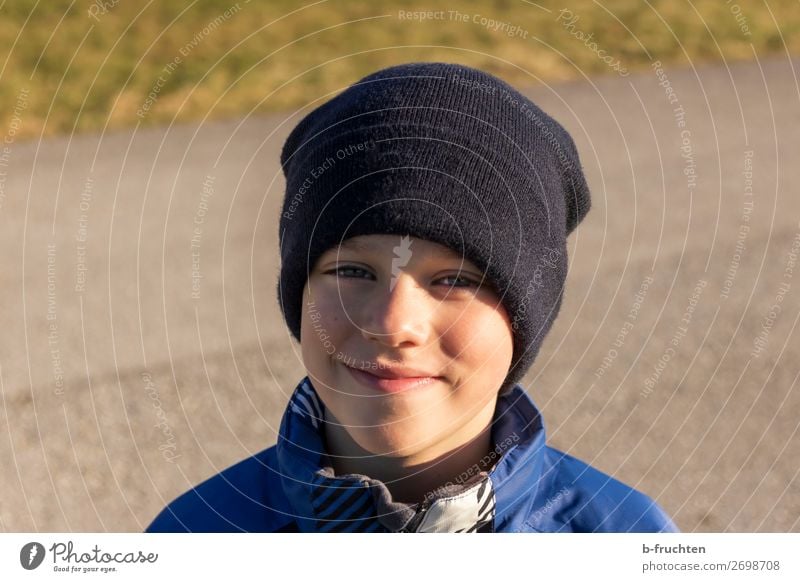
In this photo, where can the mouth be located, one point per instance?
(392, 380)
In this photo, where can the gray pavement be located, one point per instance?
(126, 377)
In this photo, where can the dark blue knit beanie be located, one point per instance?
(445, 153)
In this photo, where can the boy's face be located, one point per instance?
(383, 301)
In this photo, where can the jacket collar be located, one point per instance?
(474, 501)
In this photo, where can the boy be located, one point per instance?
(423, 258)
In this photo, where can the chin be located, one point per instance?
(384, 443)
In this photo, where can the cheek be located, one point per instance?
(325, 323)
(480, 338)
(315, 325)
(321, 308)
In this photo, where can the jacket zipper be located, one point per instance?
(417, 519)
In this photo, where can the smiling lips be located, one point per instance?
(392, 379)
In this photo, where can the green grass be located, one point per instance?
(94, 73)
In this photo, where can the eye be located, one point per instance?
(462, 282)
(348, 272)
(355, 272)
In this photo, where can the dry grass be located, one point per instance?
(94, 71)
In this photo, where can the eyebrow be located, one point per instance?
(354, 244)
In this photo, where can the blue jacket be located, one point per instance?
(532, 487)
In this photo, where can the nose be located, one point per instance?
(398, 317)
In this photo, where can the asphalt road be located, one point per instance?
(126, 377)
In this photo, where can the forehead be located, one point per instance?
(387, 242)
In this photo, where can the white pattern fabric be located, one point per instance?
(300, 403)
(463, 513)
